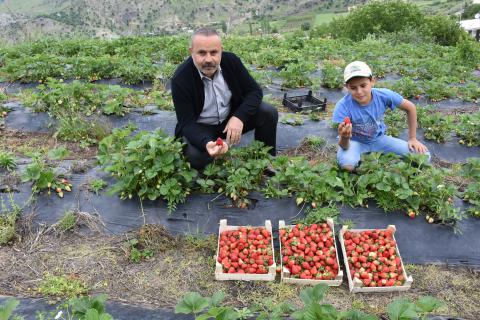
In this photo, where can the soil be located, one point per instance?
(21, 143)
(181, 264)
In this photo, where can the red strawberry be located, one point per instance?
(219, 142)
(347, 120)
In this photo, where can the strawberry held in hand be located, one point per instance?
(219, 142)
(347, 120)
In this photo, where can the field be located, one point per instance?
(97, 197)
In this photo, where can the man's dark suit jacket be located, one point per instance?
(189, 96)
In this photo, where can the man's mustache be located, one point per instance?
(208, 65)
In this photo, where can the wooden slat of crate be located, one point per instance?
(356, 285)
(220, 275)
(285, 276)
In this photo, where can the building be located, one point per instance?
(472, 26)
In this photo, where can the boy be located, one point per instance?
(360, 117)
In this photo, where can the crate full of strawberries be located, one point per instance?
(308, 254)
(245, 253)
(372, 260)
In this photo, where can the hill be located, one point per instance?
(28, 19)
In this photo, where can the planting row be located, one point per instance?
(308, 255)
(298, 60)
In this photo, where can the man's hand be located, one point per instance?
(214, 149)
(417, 146)
(345, 130)
(234, 130)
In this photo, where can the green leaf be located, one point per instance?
(355, 315)
(313, 295)
(324, 312)
(217, 298)
(7, 309)
(192, 302)
(92, 314)
(58, 153)
(429, 304)
(401, 309)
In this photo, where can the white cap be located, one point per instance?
(356, 69)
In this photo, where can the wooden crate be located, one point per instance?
(356, 285)
(220, 275)
(285, 275)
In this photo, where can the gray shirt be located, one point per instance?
(217, 99)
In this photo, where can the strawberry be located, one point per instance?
(347, 120)
(219, 142)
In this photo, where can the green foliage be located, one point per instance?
(467, 129)
(62, 286)
(332, 75)
(7, 309)
(410, 184)
(77, 128)
(471, 173)
(317, 215)
(61, 99)
(136, 252)
(8, 219)
(395, 121)
(41, 173)
(7, 161)
(296, 75)
(293, 119)
(236, 174)
(403, 309)
(96, 185)
(443, 29)
(316, 183)
(149, 165)
(468, 52)
(377, 17)
(67, 221)
(470, 11)
(82, 308)
(436, 126)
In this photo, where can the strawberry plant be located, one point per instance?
(308, 251)
(436, 126)
(245, 250)
(332, 75)
(409, 184)
(471, 173)
(373, 258)
(236, 174)
(293, 119)
(7, 161)
(438, 89)
(467, 129)
(407, 87)
(77, 128)
(296, 75)
(149, 165)
(316, 183)
(395, 121)
(41, 173)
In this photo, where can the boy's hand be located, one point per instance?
(217, 148)
(417, 146)
(345, 130)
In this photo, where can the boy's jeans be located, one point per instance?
(383, 144)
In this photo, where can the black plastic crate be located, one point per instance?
(304, 103)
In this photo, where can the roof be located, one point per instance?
(473, 24)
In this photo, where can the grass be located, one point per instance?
(72, 265)
(322, 18)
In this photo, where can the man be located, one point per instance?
(215, 97)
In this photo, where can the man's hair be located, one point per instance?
(204, 31)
